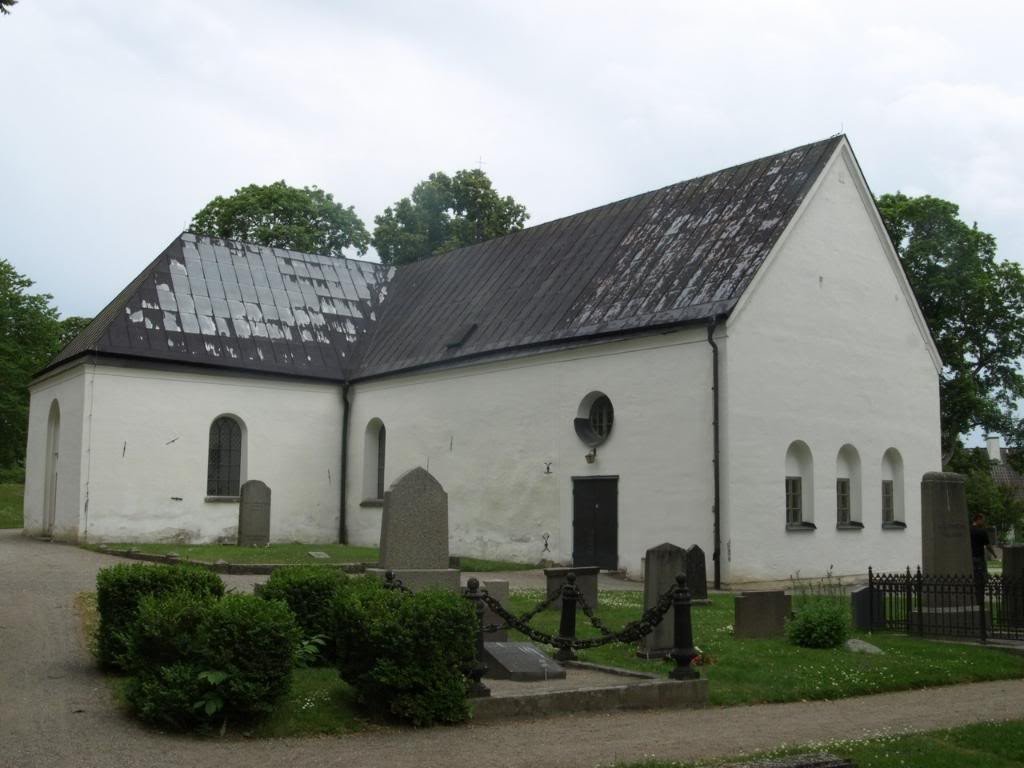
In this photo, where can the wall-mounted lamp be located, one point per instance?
(592, 456)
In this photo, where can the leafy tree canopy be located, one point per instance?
(443, 213)
(30, 335)
(974, 307)
(307, 219)
(6, 5)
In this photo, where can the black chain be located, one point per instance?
(633, 632)
(525, 617)
(595, 622)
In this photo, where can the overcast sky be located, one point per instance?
(122, 118)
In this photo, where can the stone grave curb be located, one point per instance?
(645, 692)
(233, 569)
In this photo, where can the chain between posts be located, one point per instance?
(528, 616)
(631, 632)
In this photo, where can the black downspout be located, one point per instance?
(717, 556)
(342, 531)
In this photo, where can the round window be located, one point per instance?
(594, 418)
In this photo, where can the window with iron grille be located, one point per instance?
(601, 416)
(224, 466)
(381, 439)
(843, 500)
(888, 506)
(794, 505)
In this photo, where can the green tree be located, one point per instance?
(443, 213)
(6, 5)
(974, 307)
(307, 219)
(29, 338)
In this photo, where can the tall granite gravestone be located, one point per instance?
(696, 570)
(414, 533)
(661, 566)
(945, 534)
(254, 514)
(498, 589)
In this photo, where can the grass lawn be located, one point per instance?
(11, 497)
(773, 670)
(986, 745)
(290, 554)
(284, 554)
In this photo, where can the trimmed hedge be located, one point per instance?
(119, 590)
(199, 660)
(309, 590)
(405, 655)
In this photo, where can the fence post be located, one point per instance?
(919, 592)
(567, 626)
(871, 599)
(477, 690)
(909, 597)
(981, 590)
(683, 651)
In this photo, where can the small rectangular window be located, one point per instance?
(843, 500)
(888, 508)
(794, 506)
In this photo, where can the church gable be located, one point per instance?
(237, 305)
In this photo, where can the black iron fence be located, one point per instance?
(950, 606)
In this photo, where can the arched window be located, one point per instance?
(848, 489)
(799, 487)
(224, 467)
(892, 490)
(374, 450)
(594, 419)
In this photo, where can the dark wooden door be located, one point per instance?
(595, 522)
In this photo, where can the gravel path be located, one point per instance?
(56, 710)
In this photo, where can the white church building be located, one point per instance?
(735, 361)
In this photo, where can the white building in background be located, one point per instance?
(736, 361)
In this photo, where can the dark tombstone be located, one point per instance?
(661, 566)
(520, 662)
(414, 533)
(254, 514)
(945, 534)
(696, 571)
(1013, 584)
(498, 589)
(586, 582)
(761, 614)
(868, 615)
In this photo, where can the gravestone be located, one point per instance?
(254, 514)
(661, 566)
(414, 533)
(761, 614)
(498, 589)
(521, 662)
(1013, 581)
(868, 614)
(586, 582)
(696, 571)
(945, 534)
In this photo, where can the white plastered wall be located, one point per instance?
(145, 459)
(489, 432)
(827, 348)
(70, 389)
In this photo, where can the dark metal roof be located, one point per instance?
(238, 305)
(681, 254)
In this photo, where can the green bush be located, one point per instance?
(13, 474)
(819, 623)
(119, 590)
(199, 660)
(405, 654)
(309, 590)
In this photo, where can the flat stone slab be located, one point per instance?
(587, 688)
(319, 555)
(855, 645)
(519, 661)
(811, 760)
